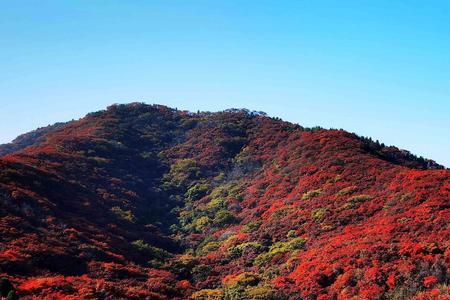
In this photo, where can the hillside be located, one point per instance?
(148, 202)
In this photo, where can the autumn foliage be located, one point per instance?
(149, 202)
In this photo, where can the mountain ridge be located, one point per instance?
(391, 153)
(143, 201)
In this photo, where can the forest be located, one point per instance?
(149, 202)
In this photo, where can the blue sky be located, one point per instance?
(377, 68)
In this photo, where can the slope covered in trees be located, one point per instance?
(148, 202)
(31, 138)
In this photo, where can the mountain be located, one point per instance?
(31, 138)
(148, 202)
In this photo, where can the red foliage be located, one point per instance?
(75, 199)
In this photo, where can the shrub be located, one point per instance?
(126, 215)
(216, 203)
(200, 272)
(261, 292)
(211, 246)
(280, 248)
(219, 191)
(358, 199)
(311, 194)
(251, 226)
(208, 294)
(242, 279)
(430, 281)
(346, 190)
(239, 249)
(197, 191)
(224, 217)
(319, 213)
(291, 234)
(155, 252)
(281, 212)
(405, 197)
(199, 224)
(236, 285)
(181, 173)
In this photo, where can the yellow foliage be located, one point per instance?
(208, 294)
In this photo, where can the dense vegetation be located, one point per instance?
(148, 202)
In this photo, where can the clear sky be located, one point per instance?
(377, 68)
